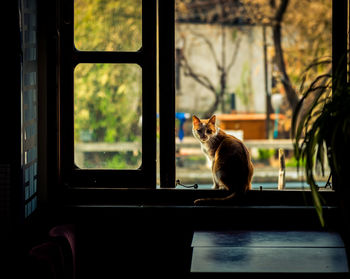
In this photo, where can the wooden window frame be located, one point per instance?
(70, 57)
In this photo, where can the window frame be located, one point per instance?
(70, 57)
(166, 23)
(103, 186)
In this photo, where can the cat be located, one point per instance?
(231, 165)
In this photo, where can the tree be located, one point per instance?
(306, 23)
(221, 14)
(301, 27)
(280, 10)
(223, 65)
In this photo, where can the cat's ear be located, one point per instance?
(212, 119)
(195, 120)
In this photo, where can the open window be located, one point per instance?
(132, 73)
(245, 61)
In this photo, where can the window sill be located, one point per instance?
(209, 217)
(186, 197)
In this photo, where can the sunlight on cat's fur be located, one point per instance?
(231, 165)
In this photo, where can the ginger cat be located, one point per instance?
(231, 166)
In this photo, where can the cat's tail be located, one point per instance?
(212, 201)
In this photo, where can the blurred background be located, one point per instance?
(243, 60)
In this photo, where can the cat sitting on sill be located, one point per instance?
(231, 165)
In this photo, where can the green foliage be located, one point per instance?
(107, 101)
(265, 154)
(106, 25)
(196, 158)
(293, 162)
(124, 161)
(107, 97)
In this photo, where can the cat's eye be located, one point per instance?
(209, 131)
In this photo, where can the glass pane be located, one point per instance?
(108, 25)
(231, 62)
(108, 116)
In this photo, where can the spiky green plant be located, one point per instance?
(321, 125)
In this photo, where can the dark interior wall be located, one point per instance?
(17, 235)
(133, 248)
(10, 115)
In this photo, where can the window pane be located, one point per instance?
(107, 116)
(108, 25)
(229, 63)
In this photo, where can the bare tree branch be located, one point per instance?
(210, 46)
(200, 78)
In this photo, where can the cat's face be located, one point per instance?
(204, 129)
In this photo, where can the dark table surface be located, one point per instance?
(218, 252)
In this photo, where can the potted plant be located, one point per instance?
(321, 126)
